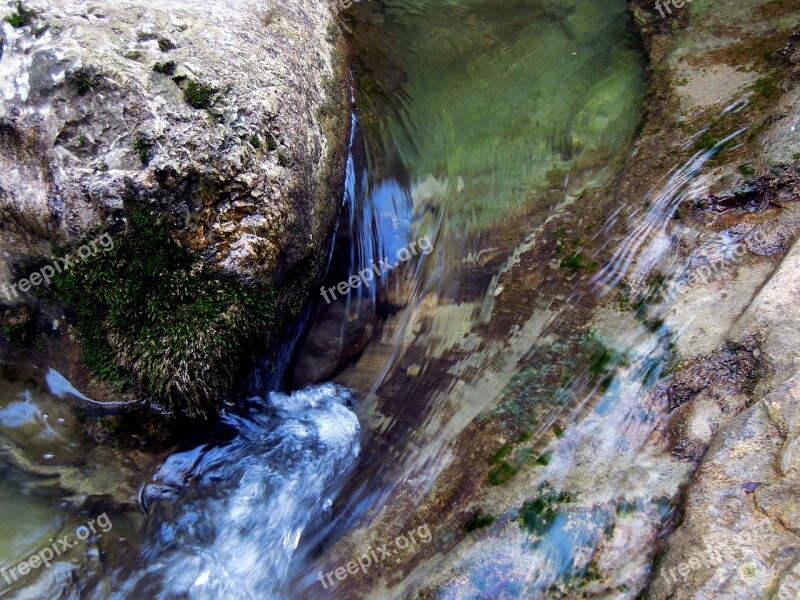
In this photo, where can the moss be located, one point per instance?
(602, 361)
(571, 254)
(22, 17)
(166, 68)
(134, 55)
(165, 45)
(746, 170)
(283, 159)
(536, 516)
(544, 459)
(198, 94)
(272, 142)
(654, 325)
(575, 262)
(501, 473)
(498, 456)
(152, 315)
(327, 109)
(768, 86)
(478, 521)
(143, 149)
(625, 509)
(705, 141)
(41, 343)
(83, 81)
(255, 142)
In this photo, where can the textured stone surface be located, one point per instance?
(95, 111)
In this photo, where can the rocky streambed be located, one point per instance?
(615, 402)
(586, 389)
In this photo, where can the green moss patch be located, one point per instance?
(83, 81)
(152, 315)
(571, 253)
(768, 86)
(501, 473)
(498, 456)
(21, 17)
(538, 515)
(143, 149)
(478, 521)
(198, 94)
(746, 170)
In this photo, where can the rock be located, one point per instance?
(174, 106)
(751, 522)
(744, 493)
(228, 120)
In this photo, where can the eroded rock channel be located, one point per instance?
(553, 353)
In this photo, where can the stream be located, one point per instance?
(477, 125)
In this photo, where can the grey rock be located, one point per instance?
(85, 86)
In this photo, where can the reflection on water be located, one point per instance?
(509, 95)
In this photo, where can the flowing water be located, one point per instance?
(477, 122)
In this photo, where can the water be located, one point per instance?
(227, 520)
(477, 121)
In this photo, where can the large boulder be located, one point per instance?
(224, 120)
(213, 112)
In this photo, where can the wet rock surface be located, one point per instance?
(227, 121)
(212, 114)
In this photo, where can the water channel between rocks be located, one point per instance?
(478, 125)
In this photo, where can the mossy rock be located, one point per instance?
(152, 315)
(198, 94)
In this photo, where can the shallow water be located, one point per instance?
(473, 116)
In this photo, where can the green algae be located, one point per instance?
(537, 515)
(498, 456)
(501, 473)
(198, 95)
(143, 149)
(478, 521)
(21, 17)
